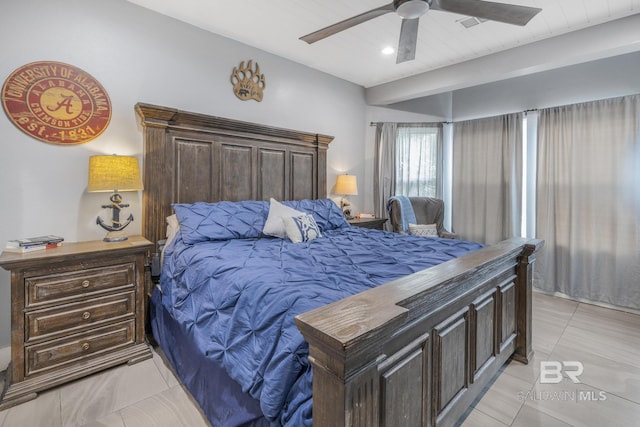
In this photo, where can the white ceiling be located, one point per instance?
(355, 54)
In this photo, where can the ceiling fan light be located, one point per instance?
(412, 9)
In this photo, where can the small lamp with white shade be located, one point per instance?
(346, 185)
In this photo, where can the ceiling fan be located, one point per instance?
(412, 10)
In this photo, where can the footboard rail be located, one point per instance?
(417, 351)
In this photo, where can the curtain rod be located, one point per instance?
(445, 122)
(408, 123)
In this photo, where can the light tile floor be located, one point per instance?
(605, 341)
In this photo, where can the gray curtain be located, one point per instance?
(487, 178)
(384, 182)
(588, 201)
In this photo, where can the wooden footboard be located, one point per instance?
(418, 351)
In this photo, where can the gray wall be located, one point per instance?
(605, 78)
(141, 56)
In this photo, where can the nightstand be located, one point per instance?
(75, 310)
(376, 223)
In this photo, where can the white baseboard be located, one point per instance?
(5, 357)
(586, 301)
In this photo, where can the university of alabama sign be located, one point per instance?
(56, 103)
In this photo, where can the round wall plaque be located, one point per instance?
(56, 102)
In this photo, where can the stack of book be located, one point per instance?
(33, 244)
(365, 215)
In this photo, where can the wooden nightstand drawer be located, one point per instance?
(66, 318)
(75, 310)
(53, 354)
(375, 223)
(56, 287)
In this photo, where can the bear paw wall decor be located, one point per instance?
(247, 82)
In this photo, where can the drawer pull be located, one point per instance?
(86, 315)
(85, 346)
(85, 283)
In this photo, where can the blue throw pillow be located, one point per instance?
(202, 221)
(326, 213)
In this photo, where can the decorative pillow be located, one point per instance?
(274, 226)
(172, 228)
(301, 228)
(423, 230)
(202, 221)
(327, 214)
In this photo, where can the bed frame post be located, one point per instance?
(157, 179)
(524, 349)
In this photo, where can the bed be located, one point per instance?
(409, 345)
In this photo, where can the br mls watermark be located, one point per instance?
(551, 372)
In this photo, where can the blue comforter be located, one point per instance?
(238, 298)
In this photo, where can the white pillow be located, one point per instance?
(423, 230)
(301, 228)
(274, 226)
(173, 226)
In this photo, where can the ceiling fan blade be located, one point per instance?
(347, 23)
(408, 40)
(501, 12)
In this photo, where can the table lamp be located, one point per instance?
(114, 174)
(346, 185)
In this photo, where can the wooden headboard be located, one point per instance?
(190, 157)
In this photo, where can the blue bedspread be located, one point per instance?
(238, 299)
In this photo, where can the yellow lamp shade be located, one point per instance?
(114, 174)
(346, 185)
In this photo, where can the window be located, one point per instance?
(418, 158)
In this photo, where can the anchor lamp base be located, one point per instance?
(116, 229)
(115, 236)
